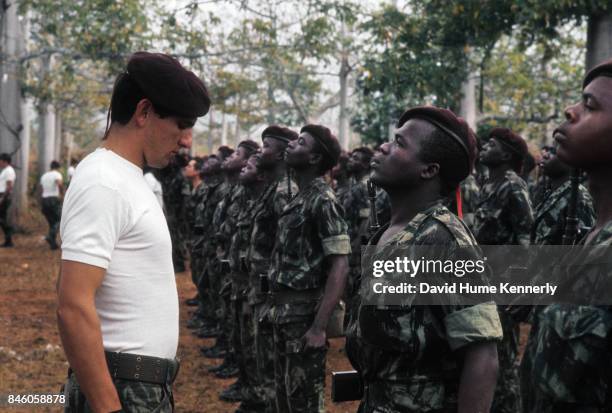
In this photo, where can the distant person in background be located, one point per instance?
(71, 170)
(52, 187)
(7, 181)
(155, 185)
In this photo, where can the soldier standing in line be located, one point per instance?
(571, 363)
(253, 184)
(276, 195)
(342, 177)
(356, 214)
(224, 222)
(309, 273)
(197, 188)
(208, 321)
(504, 217)
(173, 190)
(434, 358)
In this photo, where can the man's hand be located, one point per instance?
(314, 339)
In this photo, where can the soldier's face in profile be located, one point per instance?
(190, 170)
(236, 160)
(552, 166)
(299, 152)
(357, 162)
(493, 153)
(211, 166)
(249, 173)
(397, 164)
(272, 153)
(165, 137)
(585, 138)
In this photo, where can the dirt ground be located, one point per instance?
(31, 355)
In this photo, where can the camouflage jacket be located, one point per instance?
(240, 239)
(265, 224)
(194, 200)
(504, 215)
(175, 188)
(411, 350)
(203, 218)
(226, 218)
(356, 214)
(568, 358)
(550, 214)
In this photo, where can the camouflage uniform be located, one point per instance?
(310, 228)
(135, 396)
(406, 355)
(193, 209)
(568, 361)
(383, 207)
(204, 248)
(504, 217)
(550, 214)
(548, 229)
(175, 189)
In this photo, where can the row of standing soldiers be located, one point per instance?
(263, 225)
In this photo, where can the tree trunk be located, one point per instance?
(467, 109)
(223, 129)
(599, 39)
(59, 139)
(46, 136)
(14, 128)
(343, 115)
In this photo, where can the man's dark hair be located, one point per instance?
(327, 145)
(449, 155)
(172, 89)
(199, 162)
(5, 157)
(225, 152)
(55, 165)
(513, 144)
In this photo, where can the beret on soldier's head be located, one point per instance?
(330, 147)
(510, 140)
(451, 125)
(602, 69)
(250, 146)
(168, 85)
(280, 133)
(225, 152)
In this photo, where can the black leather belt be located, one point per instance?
(294, 296)
(136, 367)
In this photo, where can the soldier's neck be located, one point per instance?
(600, 188)
(196, 181)
(213, 179)
(557, 181)
(360, 174)
(498, 172)
(405, 204)
(232, 177)
(304, 177)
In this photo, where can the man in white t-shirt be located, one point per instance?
(7, 182)
(117, 298)
(52, 186)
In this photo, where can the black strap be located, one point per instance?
(137, 367)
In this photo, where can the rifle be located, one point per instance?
(289, 183)
(346, 386)
(374, 225)
(571, 220)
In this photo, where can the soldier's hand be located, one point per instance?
(314, 339)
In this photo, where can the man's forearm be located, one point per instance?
(80, 333)
(478, 378)
(334, 288)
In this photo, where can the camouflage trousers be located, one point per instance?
(135, 397)
(299, 375)
(264, 354)
(507, 397)
(398, 397)
(243, 340)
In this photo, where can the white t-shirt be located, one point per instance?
(156, 187)
(7, 174)
(111, 219)
(49, 183)
(70, 172)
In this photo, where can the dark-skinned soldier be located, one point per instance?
(225, 219)
(277, 194)
(342, 177)
(504, 217)
(571, 368)
(251, 186)
(425, 358)
(309, 273)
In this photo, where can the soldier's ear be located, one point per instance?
(315, 158)
(430, 170)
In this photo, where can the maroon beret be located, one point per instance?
(168, 85)
(514, 142)
(327, 141)
(280, 133)
(454, 127)
(602, 69)
(250, 146)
